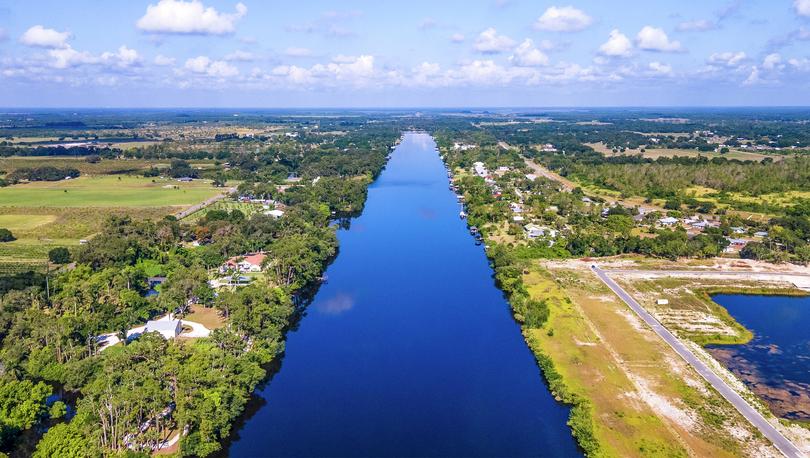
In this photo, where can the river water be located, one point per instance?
(775, 364)
(409, 349)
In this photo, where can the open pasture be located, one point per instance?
(107, 191)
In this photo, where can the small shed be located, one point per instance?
(662, 302)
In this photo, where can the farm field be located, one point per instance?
(652, 153)
(44, 215)
(107, 191)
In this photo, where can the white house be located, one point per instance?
(276, 214)
(534, 231)
(480, 169)
(668, 221)
(169, 327)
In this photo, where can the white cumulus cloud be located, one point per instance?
(457, 38)
(727, 59)
(655, 39)
(563, 19)
(43, 37)
(618, 45)
(489, 42)
(772, 62)
(189, 17)
(527, 55)
(240, 56)
(123, 58)
(660, 69)
(802, 7)
(203, 65)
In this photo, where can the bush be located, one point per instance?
(59, 255)
(6, 235)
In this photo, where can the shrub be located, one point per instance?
(59, 255)
(6, 235)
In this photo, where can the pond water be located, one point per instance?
(409, 349)
(776, 363)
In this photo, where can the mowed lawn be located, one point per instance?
(107, 191)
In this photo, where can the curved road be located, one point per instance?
(781, 442)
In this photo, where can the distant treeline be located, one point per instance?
(44, 173)
(108, 153)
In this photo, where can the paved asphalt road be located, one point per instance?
(704, 272)
(767, 430)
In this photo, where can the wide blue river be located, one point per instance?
(409, 349)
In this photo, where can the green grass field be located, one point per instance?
(44, 215)
(228, 205)
(21, 222)
(107, 191)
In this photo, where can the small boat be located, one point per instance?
(462, 215)
(473, 230)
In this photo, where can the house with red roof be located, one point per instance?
(251, 262)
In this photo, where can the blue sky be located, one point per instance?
(212, 53)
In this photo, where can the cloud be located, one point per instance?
(42, 37)
(700, 25)
(163, 61)
(618, 45)
(660, 69)
(802, 7)
(655, 39)
(753, 77)
(357, 71)
(527, 55)
(772, 61)
(563, 19)
(240, 56)
(123, 58)
(802, 64)
(457, 38)
(727, 59)
(489, 42)
(189, 17)
(203, 65)
(298, 52)
(69, 57)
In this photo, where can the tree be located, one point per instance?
(59, 255)
(6, 235)
(66, 440)
(22, 404)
